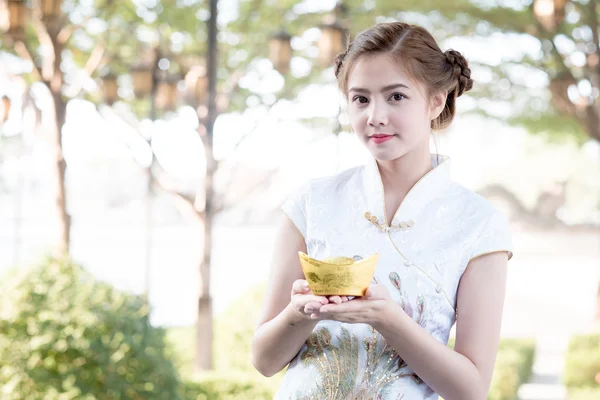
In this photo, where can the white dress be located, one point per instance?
(439, 227)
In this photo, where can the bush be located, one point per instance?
(584, 394)
(514, 365)
(235, 377)
(233, 331)
(506, 380)
(526, 350)
(221, 386)
(63, 335)
(582, 361)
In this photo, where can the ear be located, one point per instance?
(438, 103)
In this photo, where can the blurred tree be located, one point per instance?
(65, 43)
(564, 54)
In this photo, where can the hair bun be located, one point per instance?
(461, 70)
(338, 63)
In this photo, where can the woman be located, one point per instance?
(443, 250)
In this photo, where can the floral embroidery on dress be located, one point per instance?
(338, 366)
(405, 302)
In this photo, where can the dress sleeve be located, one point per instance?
(296, 207)
(494, 237)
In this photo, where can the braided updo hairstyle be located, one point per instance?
(417, 54)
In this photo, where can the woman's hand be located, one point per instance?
(371, 308)
(305, 302)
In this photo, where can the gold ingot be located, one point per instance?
(342, 276)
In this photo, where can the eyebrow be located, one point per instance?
(384, 89)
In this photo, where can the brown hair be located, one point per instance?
(417, 53)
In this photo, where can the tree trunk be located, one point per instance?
(59, 168)
(53, 78)
(204, 328)
(597, 319)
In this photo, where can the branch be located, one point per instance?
(67, 31)
(93, 62)
(25, 53)
(231, 87)
(593, 14)
(184, 206)
(184, 203)
(594, 70)
(246, 136)
(45, 40)
(506, 19)
(221, 203)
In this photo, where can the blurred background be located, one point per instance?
(146, 146)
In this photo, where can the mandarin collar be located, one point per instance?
(431, 186)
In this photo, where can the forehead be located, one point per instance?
(377, 71)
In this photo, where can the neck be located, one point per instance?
(400, 175)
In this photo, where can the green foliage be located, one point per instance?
(582, 363)
(525, 348)
(64, 335)
(125, 28)
(236, 386)
(233, 333)
(514, 364)
(235, 377)
(505, 381)
(584, 394)
(235, 328)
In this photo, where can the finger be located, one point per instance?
(344, 299)
(312, 307)
(338, 308)
(300, 286)
(335, 299)
(317, 301)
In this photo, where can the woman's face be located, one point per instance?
(389, 111)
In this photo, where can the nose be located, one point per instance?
(377, 115)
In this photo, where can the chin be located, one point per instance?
(387, 154)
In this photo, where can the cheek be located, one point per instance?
(410, 117)
(357, 119)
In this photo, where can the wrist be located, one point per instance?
(295, 317)
(389, 312)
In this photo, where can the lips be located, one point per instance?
(379, 138)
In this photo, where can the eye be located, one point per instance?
(361, 99)
(397, 97)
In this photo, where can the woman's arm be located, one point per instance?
(466, 372)
(282, 328)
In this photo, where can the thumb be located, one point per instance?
(373, 291)
(305, 287)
